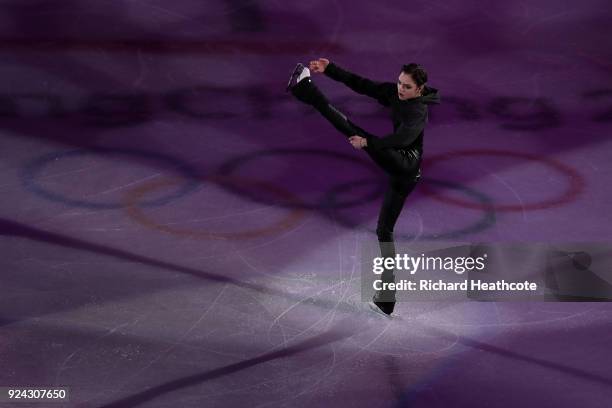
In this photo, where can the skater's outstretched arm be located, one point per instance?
(381, 91)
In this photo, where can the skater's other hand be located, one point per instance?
(358, 142)
(318, 65)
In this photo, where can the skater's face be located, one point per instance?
(406, 88)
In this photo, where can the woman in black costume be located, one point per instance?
(398, 154)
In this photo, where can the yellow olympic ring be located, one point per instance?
(134, 196)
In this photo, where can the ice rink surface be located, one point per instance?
(177, 231)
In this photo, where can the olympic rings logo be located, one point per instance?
(134, 201)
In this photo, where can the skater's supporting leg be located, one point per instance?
(395, 196)
(399, 188)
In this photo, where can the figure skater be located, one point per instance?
(398, 154)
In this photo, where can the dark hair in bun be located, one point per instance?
(418, 74)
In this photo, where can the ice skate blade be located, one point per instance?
(377, 310)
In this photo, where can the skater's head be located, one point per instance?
(411, 81)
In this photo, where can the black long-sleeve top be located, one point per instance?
(409, 116)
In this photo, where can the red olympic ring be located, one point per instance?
(573, 190)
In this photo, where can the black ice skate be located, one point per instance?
(385, 307)
(293, 79)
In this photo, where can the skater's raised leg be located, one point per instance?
(303, 88)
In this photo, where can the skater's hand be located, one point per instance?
(318, 65)
(358, 142)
